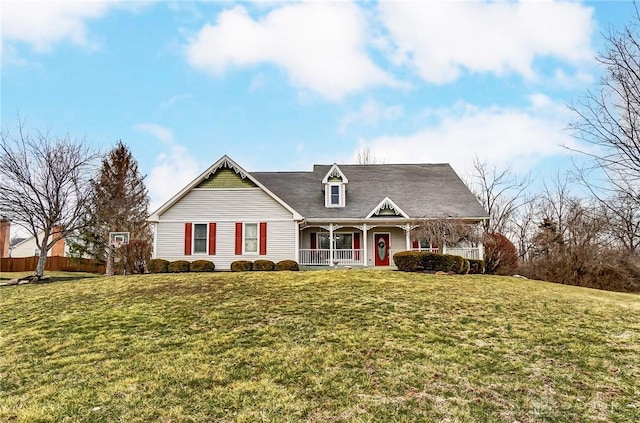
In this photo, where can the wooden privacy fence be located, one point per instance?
(66, 264)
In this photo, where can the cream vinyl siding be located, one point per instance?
(225, 207)
(209, 205)
(27, 248)
(280, 243)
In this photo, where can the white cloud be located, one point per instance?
(160, 132)
(443, 39)
(172, 172)
(370, 114)
(505, 136)
(45, 23)
(321, 46)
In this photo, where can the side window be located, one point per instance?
(200, 238)
(251, 238)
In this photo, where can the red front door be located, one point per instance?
(381, 249)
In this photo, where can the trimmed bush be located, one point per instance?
(287, 265)
(408, 261)
(263, 265)
(158, 266)
(412, 261)
(179, 266)
(476, 266)
(241, 266)
(202, 266)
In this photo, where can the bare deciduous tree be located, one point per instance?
(364, 156)
(44, 185)
(500, 192)
(445, 231)
(608, 122)
(609, 116)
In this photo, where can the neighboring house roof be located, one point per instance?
(418, 190)
(16, 241)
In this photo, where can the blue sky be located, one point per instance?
(283, 85)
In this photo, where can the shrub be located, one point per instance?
(202, 266)
(408, 261)
(179, 266)
(241, 266)
(135, 255)
(263, 265)
(500, 255)
(287, 265)
(476, 266)
(158, 266)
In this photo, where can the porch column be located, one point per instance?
(364, 244)
(407, 230)
(296, 243)
(331, 243)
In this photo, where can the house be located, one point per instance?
(357, 215)
(27, 248)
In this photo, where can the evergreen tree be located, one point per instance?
(119, 203)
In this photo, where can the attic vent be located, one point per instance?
(227, 164)
(387, 208)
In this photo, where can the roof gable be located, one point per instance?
(383, 206)
(224, 177)
(224, 162)
(333, 174)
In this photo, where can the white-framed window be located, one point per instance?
(250, 237)
(335, 195)
(36, 252)
(200, 238)
(343, 240)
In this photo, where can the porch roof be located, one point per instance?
(420, 190)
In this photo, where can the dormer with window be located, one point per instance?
(334, 185)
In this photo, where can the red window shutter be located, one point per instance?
(263, 238)
(314, 244)
(212, 239)
(187, 238)
(416, 244)
(238, 239)
(356, 244)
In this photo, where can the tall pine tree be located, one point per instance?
(119, 203)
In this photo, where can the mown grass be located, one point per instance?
(318, 346)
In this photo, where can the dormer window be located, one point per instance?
(335, 195)
(334, 186)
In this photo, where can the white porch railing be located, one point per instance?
(351, 257)
(431, 250)
(466, 252)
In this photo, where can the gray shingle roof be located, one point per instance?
(420, 190)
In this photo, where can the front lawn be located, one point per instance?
(318, 346)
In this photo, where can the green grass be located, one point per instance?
(322, 346)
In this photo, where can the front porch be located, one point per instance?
(365, 245)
